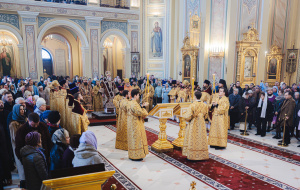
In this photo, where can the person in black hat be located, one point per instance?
(62, 83)
(206, 91)
(222, 84)
(117, 100)
(53, 122)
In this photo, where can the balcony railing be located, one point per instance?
(121, 4)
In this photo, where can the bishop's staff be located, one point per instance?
(214, 83)
(245, 130)
(282, 143)
(193, 86)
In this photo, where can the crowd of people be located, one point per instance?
(27, 123)
(32, 138)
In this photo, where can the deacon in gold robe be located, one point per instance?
(148, 97)
(127, 85)
(195, 145)
(97, 97)
(136, 134)
(172, 95)
(116, 102)
(121, 138)
(135, 86)
(181, 96)
(219, 125)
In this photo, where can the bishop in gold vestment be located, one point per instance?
(219, 125)
(121, 138)
(97, 97)
(195, 145)
(136, 134)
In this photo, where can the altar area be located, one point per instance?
(247, 163)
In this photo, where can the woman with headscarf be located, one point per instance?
(275, 90)
(277, 105)
(263, 112)
(30, 103)
(34, 161)
(18, 119)
(87, 153)
(165, 93)
(69, 152)
(61, 140)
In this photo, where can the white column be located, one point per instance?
(24, 71)
(204, 41)
(86, 61)
(264, 37)
(230, 42)
(93, 33)
(102, 53)
(31, 53)
(126, 62)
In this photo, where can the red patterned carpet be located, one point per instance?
(217, 172)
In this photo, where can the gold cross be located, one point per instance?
(193, 184)
(252, 24)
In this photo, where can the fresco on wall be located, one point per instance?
(156, 38)
(6, 60)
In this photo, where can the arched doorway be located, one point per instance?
(61, 54)
(116, 54)
(69, 47)
(47, 63)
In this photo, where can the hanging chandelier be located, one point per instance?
(5, 41)
(107, 44)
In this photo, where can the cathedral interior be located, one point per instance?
(245, 41)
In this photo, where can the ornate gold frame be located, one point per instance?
(195, 30)
(275, 53)
(249, 46)
(192, 51)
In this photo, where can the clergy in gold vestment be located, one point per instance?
(136, 134)
(135, 86)
(195, 145)
(116, 102)
(219, 125)
(172, 95)
(97, 97)
(121, 138)
(127, 86)
(148, 97)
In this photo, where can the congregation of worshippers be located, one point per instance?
(39, 130)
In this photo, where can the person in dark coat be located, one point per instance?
(8, 101)
(296, 118)
(238, 86)
(33, 124)
(245, 104)
(234, 100)
(264, 112)
(69, 152)
(277, 105)
(251, 109)
(34, 161)
(288, 108)
(60, 140)
(5, 156)
(271, 98)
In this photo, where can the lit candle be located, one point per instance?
(193, 84)
(148, 81)
(214, 82)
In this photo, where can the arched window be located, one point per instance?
(45, 54)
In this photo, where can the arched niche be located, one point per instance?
(118, 38)
(14, 63)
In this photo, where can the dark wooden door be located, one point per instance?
(120, 73)
(47, 65)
